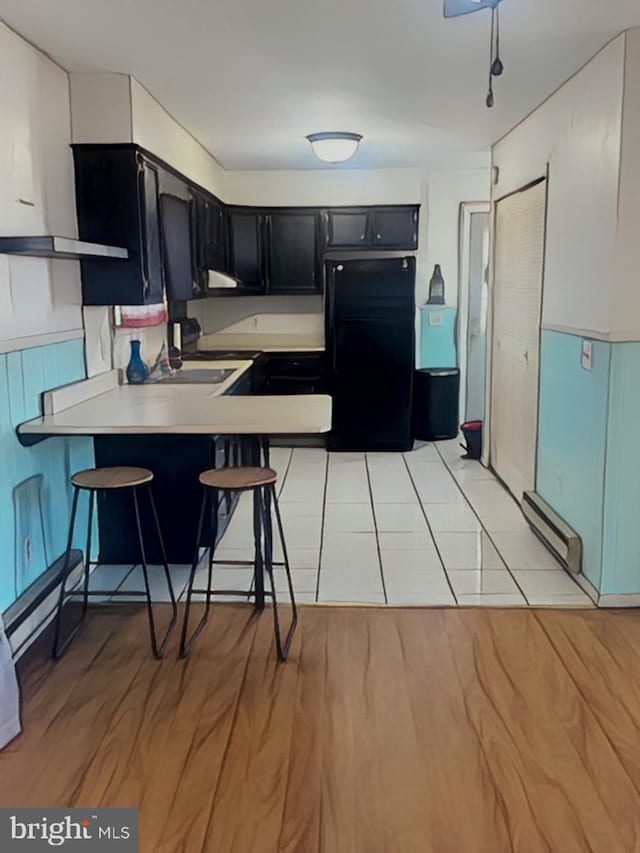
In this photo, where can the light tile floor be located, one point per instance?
(424, 528)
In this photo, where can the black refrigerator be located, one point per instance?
(370, 329)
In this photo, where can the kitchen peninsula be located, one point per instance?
(176, 430)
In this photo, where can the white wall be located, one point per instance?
(154, 129)
(112, 108)
(100, 107)
(577, 132)
(37, 297)
(625, 318)
(445, 192)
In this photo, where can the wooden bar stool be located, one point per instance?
(261, 481)
(95, 480)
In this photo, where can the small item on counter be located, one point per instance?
(161, 366)
(137, 370)
(436, 287)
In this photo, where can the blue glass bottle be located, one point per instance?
(137, 370)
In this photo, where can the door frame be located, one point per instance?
(486, 440)
(467, 209)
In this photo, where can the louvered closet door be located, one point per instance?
(517, 303)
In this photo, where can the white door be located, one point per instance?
(517, 306)
(472, 309)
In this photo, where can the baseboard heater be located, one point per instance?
(554, 532)
(33, 600)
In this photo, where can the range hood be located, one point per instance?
(58, 247)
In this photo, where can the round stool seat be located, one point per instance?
(238, 479)
(118, 477)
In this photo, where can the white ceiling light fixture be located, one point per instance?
(334, 146)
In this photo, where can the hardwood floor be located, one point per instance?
(389, 731)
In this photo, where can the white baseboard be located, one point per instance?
(587, 587)
(631, 600)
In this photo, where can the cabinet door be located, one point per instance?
(247, 257)
(150, 237)
(215, 236)
(293, 257)
(347, 228)
(395, 228)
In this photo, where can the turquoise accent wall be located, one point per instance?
(572, 439)
(621, 552)
(438, 343)
(35, 496)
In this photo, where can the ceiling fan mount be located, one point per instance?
(455, 8)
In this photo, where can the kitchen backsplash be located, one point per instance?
(266, 314)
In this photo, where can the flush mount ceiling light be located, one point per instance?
(334, 146)
(455, 8)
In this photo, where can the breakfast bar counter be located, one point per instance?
(178, 431)
(183, 410)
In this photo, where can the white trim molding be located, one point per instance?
(33, 341)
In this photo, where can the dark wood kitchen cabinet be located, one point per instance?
(289, 373)
(384, 227)
(394, 228)
(246, 228)
(293, 252)
(210, 233)
(118, 203)
(347, 229)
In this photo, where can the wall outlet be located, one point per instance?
(435, 318)
(587, 355)
(27, 551)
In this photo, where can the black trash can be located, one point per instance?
(435, 403)
(472, 431)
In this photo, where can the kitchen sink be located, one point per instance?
(206, 376)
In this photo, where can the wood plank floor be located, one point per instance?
(389, 731)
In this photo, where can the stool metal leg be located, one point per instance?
(258, 562)
(87, 561)
(157, 649)
(283, 648)
(167, 574)
(187, 642)
(60, 648)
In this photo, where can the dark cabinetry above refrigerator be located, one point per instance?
(390, 228)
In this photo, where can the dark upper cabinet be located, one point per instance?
(347, 228)
(211, 233)
(292, 252)
(118, 203)
(395, 227)
(150, 244)
(247, 248)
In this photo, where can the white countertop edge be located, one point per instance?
(186, 410)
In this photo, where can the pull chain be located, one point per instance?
(496, 65)
(490, 101)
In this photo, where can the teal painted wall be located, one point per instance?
(621, 554)
(572, 440)
(438, 343)
(35, 497)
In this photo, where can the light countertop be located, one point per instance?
(263, 341)
(185, 410)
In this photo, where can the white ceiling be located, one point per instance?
(250, 78)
